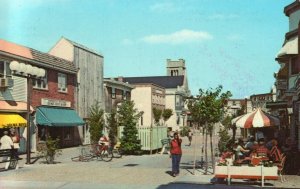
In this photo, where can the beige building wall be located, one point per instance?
(63, 49)
(170, 104)
(141, 95)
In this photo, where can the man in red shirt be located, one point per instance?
(262, 150)
(176, 153)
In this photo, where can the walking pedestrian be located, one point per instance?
(16, 142)
(176, 153)
(190, 136)
(6, 143)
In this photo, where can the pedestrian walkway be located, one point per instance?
(145, 171)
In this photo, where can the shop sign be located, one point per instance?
(56, 102)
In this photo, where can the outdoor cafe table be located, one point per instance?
(259, 172)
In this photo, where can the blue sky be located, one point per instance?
(227, 42)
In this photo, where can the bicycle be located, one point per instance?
(102, 151)
(116, 151)
(84, 156)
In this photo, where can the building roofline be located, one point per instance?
(83, 47)
(135, 84)
(289, 9)
(37, 63)
(118, 83)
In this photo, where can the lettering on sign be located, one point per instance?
(55, 102)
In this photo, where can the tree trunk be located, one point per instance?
(202, 146)
(195, 147)
(233, 132)
(212, 150)
(205, 150)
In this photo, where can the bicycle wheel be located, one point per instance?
(106, 155)
(116, 153)
(77, 159)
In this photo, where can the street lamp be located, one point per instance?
(29, 72)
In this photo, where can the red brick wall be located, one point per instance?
(52, 92)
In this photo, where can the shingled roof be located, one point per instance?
(31, 54)
(163, 81)
(53, 60)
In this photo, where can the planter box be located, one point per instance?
(246, 172)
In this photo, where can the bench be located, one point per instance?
(7, 157)
(165, 146)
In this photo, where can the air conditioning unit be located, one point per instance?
(6, 82)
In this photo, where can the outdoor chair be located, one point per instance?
(275, 154)
(280, 166)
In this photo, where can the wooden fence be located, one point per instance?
(150, 137)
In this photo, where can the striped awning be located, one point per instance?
(8, 120)
(257, 118)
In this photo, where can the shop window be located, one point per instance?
(62, 82)
(67, 134)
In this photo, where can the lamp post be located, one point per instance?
(29, 72)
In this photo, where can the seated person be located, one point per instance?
(288, 146)
(261, 150)
(250, 144)
(239, 151)
(104, 140)
(271, 144)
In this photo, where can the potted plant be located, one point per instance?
(50, 149)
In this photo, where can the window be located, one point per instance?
(178, 119)
(177, 100)
(62, 82)
(67, 133)
(113, 93)
(124, 95)
(4, 69)
(41, 83)
(295, 67)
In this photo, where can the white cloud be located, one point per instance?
(164, 7)
(179, 37)
(223, 16)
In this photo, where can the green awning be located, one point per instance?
(57, 117)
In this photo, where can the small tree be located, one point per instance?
(207, 109)
(226, 122)
(50, 149)
(224, 139)
(128, 117)
(96, 122)
(166, 114)
(157, 115)
(112, 124)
